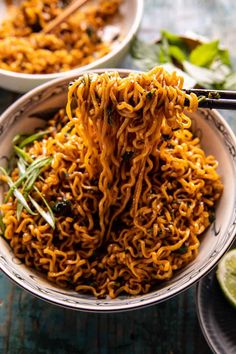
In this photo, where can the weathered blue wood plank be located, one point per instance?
(29, 325)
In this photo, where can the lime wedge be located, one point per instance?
(226, 275)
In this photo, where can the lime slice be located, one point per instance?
(226, 275)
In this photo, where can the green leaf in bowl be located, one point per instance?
(204, 54)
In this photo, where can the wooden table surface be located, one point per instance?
(29, 325)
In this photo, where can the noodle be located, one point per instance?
(135, 189)
(77, 42)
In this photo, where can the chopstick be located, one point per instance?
(218, 99)
(75, 5)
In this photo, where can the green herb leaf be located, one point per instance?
(16, 192)
(2, 225)
(204, 54)
(29, 183)
(205, 77)
(21, 166)
(37, 164)
(164, 56)
(45, 215)
(45, 202)
(172, 38)
(183, 249)
(189, 81)
(19, 209)
(177, 53)
(146, 55)
(224, 57)
(32, 138)
(230, 82)
(16, 139)
(23, 154)
(62, 207)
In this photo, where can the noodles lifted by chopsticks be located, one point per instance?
(78, 41)
(129, 185)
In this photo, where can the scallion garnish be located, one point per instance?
(2, 225)
(46, 203)
(37, 164)
(48, 217)
(23, 154)
(21, 166)
(19, 196)
(30, 139)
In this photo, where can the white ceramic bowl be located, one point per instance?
(217, 139)
(129, 21)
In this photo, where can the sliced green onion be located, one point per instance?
(29, 183)
(2, 225)
(17, 138)
(19, 196)
(33, 137)
(21, 166)
(46, 203)
(37, 164)
(46, 215)
(19, 209)
(23, 154)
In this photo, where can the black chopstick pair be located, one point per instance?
(218, 99)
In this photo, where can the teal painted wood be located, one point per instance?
(29, 325)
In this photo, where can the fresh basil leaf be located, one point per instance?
(164, 56)
(140, 49)
(225, 57)
(205, 77)
(230, 82)
(177, 53)
(204, 54)
(145, 55)
(172, 38)
(189, 82)
(220, 69)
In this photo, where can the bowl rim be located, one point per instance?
(127, 303)
(97, 63)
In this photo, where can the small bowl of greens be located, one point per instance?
(202, 62)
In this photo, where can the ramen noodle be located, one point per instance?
(128, 185)
(79, 41)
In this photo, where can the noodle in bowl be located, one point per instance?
(118, 33)
(31, 111)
